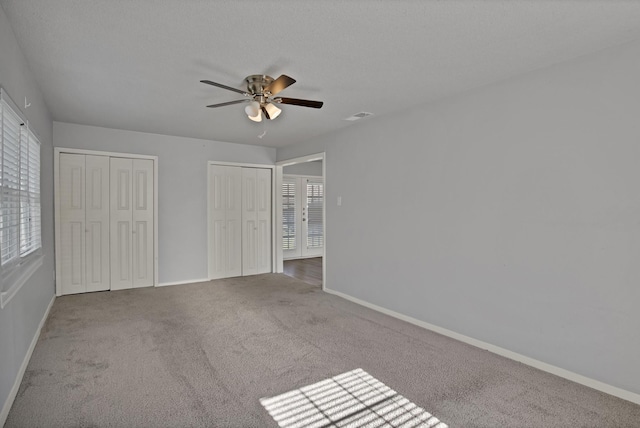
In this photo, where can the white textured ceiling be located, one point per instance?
(136, 64)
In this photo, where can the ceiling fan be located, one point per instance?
(260, 95)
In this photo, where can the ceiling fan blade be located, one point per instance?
(228, 103)
(299, 102)
(279, 84)
(220, 85)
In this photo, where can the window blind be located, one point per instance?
(10, 184)
(289, 214)
(315, 196)
(20, 218)
(30, 196)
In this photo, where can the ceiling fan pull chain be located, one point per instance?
(264, 130)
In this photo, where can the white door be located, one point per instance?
(131, 218)
(142, 223)
(121, 214)
(302, 216)
(72, 223)
(256, 221)
(290, 217)
(84, 223)
(263, 207)
(97, 223)
(225, 228)
(312, 219)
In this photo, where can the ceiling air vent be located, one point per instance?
(358, 116)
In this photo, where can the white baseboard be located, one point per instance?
(575, 377)
(191, 281)
(16, 385)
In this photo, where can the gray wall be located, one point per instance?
(19, 320)
(313, 169)
(182, 187)
(518, 214)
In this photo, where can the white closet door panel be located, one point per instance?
(263, 250)
(72, 223)
(121, 212)
(217, 265)
(97, 223)
(263, 220)
(249, 222)
(142, 223)
(249, 247)
(233, 221)
(217, 228)
(225, 186)
(234, 247)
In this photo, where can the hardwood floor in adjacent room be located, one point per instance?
(307, 270)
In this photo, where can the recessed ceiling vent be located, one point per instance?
(358, 116)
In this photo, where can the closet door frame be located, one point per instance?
(56, 189)
(274, 233)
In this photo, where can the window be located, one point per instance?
(289, 214)
(302, 216)
(315, 232)
(20, 223)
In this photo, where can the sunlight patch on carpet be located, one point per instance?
(351, 400)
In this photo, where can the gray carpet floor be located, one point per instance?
(203, 355)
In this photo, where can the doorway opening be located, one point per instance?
(300, 218)
(307, 270)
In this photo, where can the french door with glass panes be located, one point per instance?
(302, 222)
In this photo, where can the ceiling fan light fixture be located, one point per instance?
(272, 111)
(257, 117)
(253, 109)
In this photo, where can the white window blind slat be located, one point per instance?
(315, 196)
(10, 222)
(34, 165)
(30, 238)
(24, 160)
(289, 214)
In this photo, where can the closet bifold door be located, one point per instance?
(142, 223)
(98, 274)
(84, 223)
(72, 223)
(132, 228)
(256, 221)
(225, 216)
(121, 218)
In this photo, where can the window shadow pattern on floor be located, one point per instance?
(350, 400)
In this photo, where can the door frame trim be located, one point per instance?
(56, 193)
(278, 208)
(273, 209)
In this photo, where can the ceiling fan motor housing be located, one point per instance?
(256, 83)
